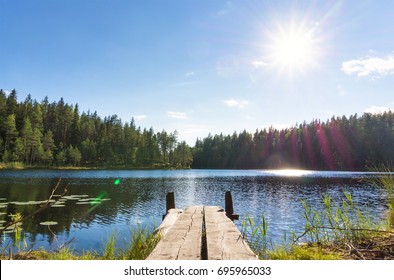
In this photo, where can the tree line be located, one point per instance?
(44, 133)
(339, 143)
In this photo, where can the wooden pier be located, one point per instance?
(200, 233)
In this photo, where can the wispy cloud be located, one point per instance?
(259, 64)
(236, 103)
(377, 110)
(225, 10)
(189, 74)
(371, 66)
(140, 117)
(177, 115)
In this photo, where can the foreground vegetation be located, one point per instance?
(338, 231)
(141, 244)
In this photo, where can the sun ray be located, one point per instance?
(293, 48)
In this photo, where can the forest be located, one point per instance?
(341, 143)
(57, 134)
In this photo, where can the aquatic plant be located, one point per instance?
(385, 181)
(255, 234)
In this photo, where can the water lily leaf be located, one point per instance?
(86, 199)
(20, 203)
(57, 205)
(71, 197)
(95, 202)
(48, 223)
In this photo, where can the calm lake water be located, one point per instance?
(99, 203)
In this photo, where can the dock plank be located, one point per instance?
(169, 220)
(182, 239)
(224, 240)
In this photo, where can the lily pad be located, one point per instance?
(71, 197)
(20, 203)
(83, 203)
(80, 195)
(95, 202)
(85, 199)
(48, 223)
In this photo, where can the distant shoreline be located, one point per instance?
(19, 166)
(7, 166)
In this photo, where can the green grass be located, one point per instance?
(386, 182)
(139, 247)
(326, 231)
(12, 165)
(302, 252)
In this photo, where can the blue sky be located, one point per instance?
(202, 67)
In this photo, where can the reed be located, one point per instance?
(385, 181)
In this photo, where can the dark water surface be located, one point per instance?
(99, 203)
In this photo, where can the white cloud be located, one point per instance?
(259, 64)
(225, 10)
(140, 117)
(188, 74)
(377, 110)
(6, 92)
(374, 67)
(236, 103)
(177, 115)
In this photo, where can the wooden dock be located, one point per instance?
(200, 233)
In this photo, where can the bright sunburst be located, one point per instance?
(293, 48)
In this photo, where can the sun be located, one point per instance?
(293, 48)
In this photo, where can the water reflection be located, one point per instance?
(139, 199)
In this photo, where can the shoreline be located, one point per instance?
(18, 166)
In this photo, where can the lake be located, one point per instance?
(101, 202)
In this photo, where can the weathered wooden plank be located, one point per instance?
(182, 240)
(224, 240)
(169, 220)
